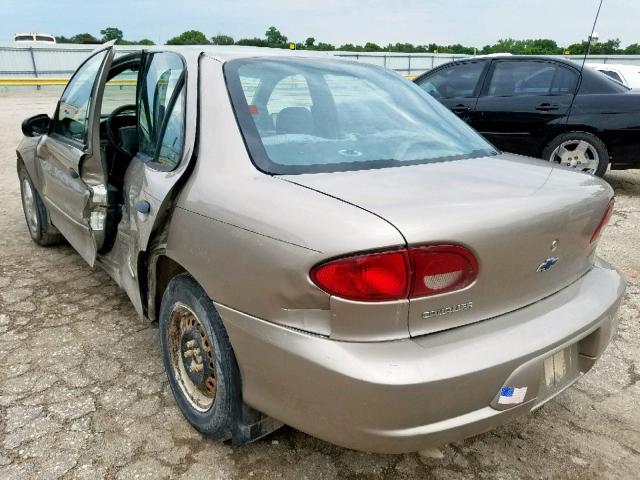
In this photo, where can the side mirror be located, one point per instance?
(36, 125)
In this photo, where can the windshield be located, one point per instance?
(304, 116)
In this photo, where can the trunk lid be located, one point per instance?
(512, 212)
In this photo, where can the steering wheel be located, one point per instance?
(112, 135)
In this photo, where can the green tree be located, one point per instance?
(84, 38)
(190, 37)
(252, 42)
(326, 47)
(610, 47)
(63, 39)
(633, 49)
(275, 38)
(350, 47)
(372, 47)
(222, 40)
(309, 43)
(145, 41)
(577, 48)
(111, 33)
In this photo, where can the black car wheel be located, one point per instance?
(198, 357)
(35, 213)
(580, 150)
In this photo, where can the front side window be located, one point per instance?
(160, 96)
(72, 116)
(456, 81)
(326, 115)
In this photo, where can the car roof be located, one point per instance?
(508, 56)
(226, 53)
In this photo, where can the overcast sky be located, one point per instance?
(470, 22)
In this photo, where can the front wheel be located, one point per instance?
(198, 358)
(580, 150)
(35, 213)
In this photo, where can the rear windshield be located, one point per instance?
(305, 116)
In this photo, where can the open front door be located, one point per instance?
(74, 184)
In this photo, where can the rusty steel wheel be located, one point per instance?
(192, 357)
(198, 358)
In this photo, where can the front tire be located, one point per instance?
(35, 213)
(198, 358)
(580, 150)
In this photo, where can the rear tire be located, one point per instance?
(198, 358)
(580, 150)
(36, 215)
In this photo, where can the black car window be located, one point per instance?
(517, 78)
(456, 81)
(594, 82)
(613, 75)
(72, 116)
(564, 81)
(160, 106)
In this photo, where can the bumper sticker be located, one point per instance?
(510, 396)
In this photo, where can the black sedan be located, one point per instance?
(543, 107)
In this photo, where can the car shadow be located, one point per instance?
(624, 182)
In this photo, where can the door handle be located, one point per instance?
(547, 107)
(461, 108)
(143, 207)
(73, 173)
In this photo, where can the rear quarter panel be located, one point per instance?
(250, 239)
(615, 118)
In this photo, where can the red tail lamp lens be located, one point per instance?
(398, 275)
(369, 278)
(441, 269)
(605, 219)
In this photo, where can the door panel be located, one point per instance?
(524, 104)
(457, 86)
(167, 114)
(69, 162)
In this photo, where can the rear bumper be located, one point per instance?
(405, 395)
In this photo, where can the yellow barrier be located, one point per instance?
(48, 81)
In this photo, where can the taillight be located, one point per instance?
(441, 269)
(398, 275)
(603, 222)
(375, 277)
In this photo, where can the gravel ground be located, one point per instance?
(83, 393)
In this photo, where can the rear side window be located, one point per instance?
(596, 82)
(523, 78)
(161, 110)
(612, 74)
(456, 81)
(564, 81)
(172, 141)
